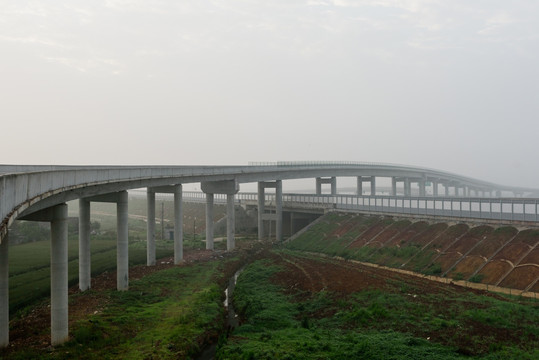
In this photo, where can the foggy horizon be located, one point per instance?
(451, 86)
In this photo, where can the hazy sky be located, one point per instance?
(448, 84)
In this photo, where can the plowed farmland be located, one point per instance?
(495, 255)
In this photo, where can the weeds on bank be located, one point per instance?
(400, 323)
(165, 315)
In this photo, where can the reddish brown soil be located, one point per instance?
(449, 236)
(494, 241)
(408, 234)
(392, 231)
(304, 277)
(467, 266)
(529, 236)
(447, 260)
(532, 257)
(472, 238)
(478, 244)
(521, 277)
(343, 228)
(430, 233)
(512, 252)
(493, 271)
(535, 288)
(368, 235)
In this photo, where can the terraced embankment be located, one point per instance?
(503, 256)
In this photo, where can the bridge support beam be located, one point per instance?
(4, 292)
(122, 240)
(230, 223)
(359, 186)
(59, 295)
(278, 216)
(122, 252)
(57, 216)
(407, 187)
(178, 224)
(332, 181)
(209, 221)
(361, 180)
(150, 227)
(178, 221)
(85, 264)
(435, 188)
(393, 186)
(421, 184)
(230, 188)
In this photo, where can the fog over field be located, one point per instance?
(450, 85)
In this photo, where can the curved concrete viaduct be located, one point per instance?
(40, 193)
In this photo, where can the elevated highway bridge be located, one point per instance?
(40, 193)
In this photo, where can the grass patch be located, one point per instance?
(165, 315)
(401, 322)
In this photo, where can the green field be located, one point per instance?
(388, 323)
(169, 314)
(29, 265)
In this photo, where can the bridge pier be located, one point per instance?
(178, 222)
(421, 184)
(122, 241)
(332, 181)
(230, 223)
(57, 216)
(150, 227)
(359, 186)
(122, 252)
(4, 292)
(407, 187)
(435, 188)
(85, 264)
(230, 188)
(393, 186)
(361, 179)
(209, 221)
(278, 216)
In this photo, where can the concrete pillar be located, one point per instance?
(178, 225)
(435, 188)
(122, 252)
(422, 191)
(85, 271)
(279, 210)
(150, 228)
(261, 206)
(446, 188)
(230, 222)
(360, 185)
(318, 186)
(373, 185)
(59, 297)
(333, 186)
(209, 221)
(393, 186)
(292, 223)
(4, 292)
(407, 187)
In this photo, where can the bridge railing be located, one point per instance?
(518, 209)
